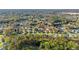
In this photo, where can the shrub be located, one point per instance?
(32, 41)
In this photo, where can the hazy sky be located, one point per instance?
(39, 4)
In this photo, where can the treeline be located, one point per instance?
(38, 42)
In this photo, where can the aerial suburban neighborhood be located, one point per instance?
(39, 29)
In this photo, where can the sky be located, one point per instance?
(38, 4)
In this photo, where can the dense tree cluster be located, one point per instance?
(38, 42)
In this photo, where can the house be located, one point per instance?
(74, 30)
(60, 29)
(57, 23)
(29, 30)
(47, 30)
(40, 30)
